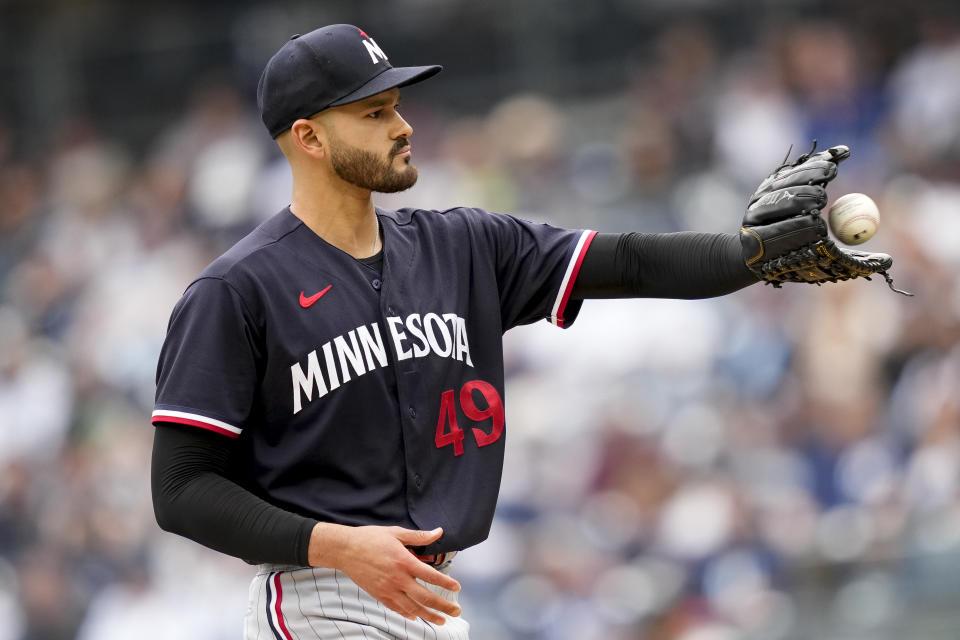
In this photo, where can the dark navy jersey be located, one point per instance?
(360, 397)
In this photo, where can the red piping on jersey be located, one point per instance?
(195, 423)
(573, 277)
(278, 590)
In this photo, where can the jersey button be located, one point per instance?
(376, 284)
(418, 480)
(412, 412)
(390, 310)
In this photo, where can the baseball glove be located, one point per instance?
(784, 238)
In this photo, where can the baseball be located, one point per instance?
(854, 218)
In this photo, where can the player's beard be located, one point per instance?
(367, 170)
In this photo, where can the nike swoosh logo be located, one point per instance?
(306, 302)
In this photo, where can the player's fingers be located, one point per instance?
(411, 609)
(430, 575)
(418, 610)
(420, 594)
(401, 604)
(413, 538)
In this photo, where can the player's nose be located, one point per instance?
(404, 130)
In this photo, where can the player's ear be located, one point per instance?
(308, 137)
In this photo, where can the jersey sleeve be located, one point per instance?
(207, 372)
(537, 266)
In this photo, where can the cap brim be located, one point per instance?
(393, 77)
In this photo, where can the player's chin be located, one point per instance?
(400, 180)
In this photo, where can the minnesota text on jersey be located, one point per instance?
(443, 335)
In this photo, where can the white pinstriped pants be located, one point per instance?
(311, 603)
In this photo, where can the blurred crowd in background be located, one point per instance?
(774, 464)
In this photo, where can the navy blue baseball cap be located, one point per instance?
(327, 67)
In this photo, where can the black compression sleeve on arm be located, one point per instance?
(192, 497)
(685, 265)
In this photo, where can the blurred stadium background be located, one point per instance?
(773, 465)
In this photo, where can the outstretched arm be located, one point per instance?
(684, 265)
(783, 239)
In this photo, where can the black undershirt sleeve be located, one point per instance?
(684, 265)
(193, 497)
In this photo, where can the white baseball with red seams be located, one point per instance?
(854, 218)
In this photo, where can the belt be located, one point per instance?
(436, 559)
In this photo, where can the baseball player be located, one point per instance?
(330, 391)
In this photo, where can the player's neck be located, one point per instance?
(346, 218)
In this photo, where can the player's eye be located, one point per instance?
(376, 114)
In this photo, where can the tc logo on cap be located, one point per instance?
(372, 48)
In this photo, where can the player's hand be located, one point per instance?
(377, 559)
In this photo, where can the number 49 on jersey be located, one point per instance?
(449, 431)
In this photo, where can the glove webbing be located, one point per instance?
(818, 263)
